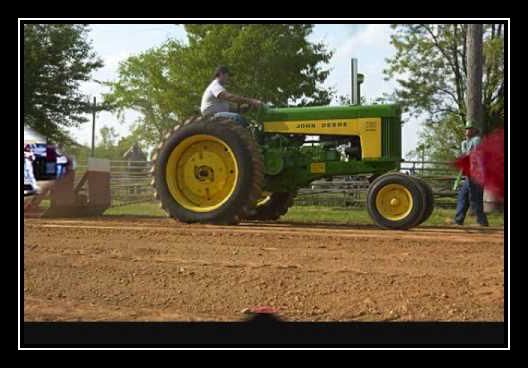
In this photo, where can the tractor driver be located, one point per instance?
(215, 100)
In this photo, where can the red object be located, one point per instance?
(485, 164)
(51, 153)
(263, 310)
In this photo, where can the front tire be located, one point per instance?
(429, 200)
(395, 202)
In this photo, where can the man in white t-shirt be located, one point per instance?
(215, 100)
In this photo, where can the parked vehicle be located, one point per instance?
(45, 162)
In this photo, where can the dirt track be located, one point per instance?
(157, 269)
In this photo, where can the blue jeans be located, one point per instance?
(237, 118)
(61, 170)
(472, 194)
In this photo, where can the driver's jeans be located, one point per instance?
(237, 118)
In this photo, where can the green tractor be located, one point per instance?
(215, 171)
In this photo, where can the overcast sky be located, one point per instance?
(370, 43)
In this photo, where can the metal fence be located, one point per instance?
(130, 183)
(351, 191)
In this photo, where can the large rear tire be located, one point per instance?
(395, 201)
(208, 171)
(272, 207)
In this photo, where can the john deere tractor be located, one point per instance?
(215, 171)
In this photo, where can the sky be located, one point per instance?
(369, 43)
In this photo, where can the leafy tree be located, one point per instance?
(440, 140)
(57, 57)
(431, 60)
(144, 86)
(80, 152)
(108, 136)
(273, 62)
(110, 147)
(106, 148)
(345, 100)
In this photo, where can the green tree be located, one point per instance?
(273, 62)
(125, 143)
(80, 152)
(440, 140)
(144, 86)
(430, 68)
(57, 57)
(109, 146)
(106, 147)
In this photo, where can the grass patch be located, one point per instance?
(312, 214)
(307, 214)
(137, 209)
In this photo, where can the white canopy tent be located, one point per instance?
(31, 136)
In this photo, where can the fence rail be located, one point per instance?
(130, 183)
(352, 190)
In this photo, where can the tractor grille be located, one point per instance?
(391, 138)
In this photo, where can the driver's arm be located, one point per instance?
(224, 95)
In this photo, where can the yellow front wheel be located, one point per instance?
(395, 201)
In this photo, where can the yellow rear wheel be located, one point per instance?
(202, 173)
(209, 171)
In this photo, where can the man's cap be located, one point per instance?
(470, 124)
(222, 69)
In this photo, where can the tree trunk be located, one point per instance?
(475, 63)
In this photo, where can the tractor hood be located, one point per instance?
(328, 112)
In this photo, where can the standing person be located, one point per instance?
(28, 169)
(62, 161)
(471, 193)
(215, 100)
(51, 160)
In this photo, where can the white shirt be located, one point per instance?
(62, 159)
(470, 144)
(211, 104)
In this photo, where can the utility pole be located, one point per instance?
(475, 61)
(93, 126)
